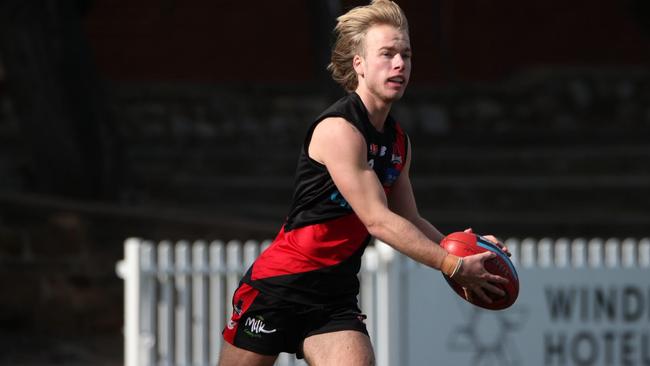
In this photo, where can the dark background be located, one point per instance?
(182, 120)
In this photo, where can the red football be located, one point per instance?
(464, 244)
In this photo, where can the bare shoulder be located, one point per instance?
(334, 136)
(335, 127)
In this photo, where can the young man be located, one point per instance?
(352, 182)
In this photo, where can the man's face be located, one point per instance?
(385, 66)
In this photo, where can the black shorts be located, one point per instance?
(268, 325)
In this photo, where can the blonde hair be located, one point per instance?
(351, 31)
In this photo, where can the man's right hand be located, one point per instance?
(475, 279)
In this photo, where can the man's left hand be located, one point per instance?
(495, 241)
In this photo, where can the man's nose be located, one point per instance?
(398, 62)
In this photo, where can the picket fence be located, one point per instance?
(177, 295)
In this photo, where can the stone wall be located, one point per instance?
(546, 153)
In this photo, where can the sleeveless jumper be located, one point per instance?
(316, 256)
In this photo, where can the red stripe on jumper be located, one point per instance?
(311, 247)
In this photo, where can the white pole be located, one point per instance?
(561, 255)
(368, 290)
(644, 252)
(199, 318)
(129, 270)
(166, 306)
(148, 304)
(545, 253)
(219, 301)
(182, 310)
(387, 312)
(595, 252)
(579, 253)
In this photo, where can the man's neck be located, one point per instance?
(377, 109)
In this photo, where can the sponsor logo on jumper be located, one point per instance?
(336, 197)
(371, 163)
(396, 159)
(374, 149)
(256, 327)
(383, 151)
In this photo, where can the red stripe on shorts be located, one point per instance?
(242, 300)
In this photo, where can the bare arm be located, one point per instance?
(402, 202)
(342, 149)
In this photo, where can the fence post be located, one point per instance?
(251, 252)
(579, 253)
(513, 246)
(612, 253)
(545, 253)
(388, 315)
(234, 265)
(200, 324)
(368, 289)
(129, 270)
(527, 253)
(166, 306)
(644, 253)
(628, 253)
(148, 303)
(561, 254)
(183, 306)
(595, 253)
(219, 299)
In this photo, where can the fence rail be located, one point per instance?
(177, 295)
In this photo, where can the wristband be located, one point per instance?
(459, 264)
(450, 265)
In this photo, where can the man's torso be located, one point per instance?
(316, 256)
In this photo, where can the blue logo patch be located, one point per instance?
(336, 197)
(391, 176)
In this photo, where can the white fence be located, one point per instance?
(177, 295)
(177, 298)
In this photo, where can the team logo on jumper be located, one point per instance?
(382, 152)
(374, 149)
(390, 177)
(255, 327)
(396, 159)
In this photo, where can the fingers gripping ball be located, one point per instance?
(463, 244)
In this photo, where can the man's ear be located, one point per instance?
(357, 63)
